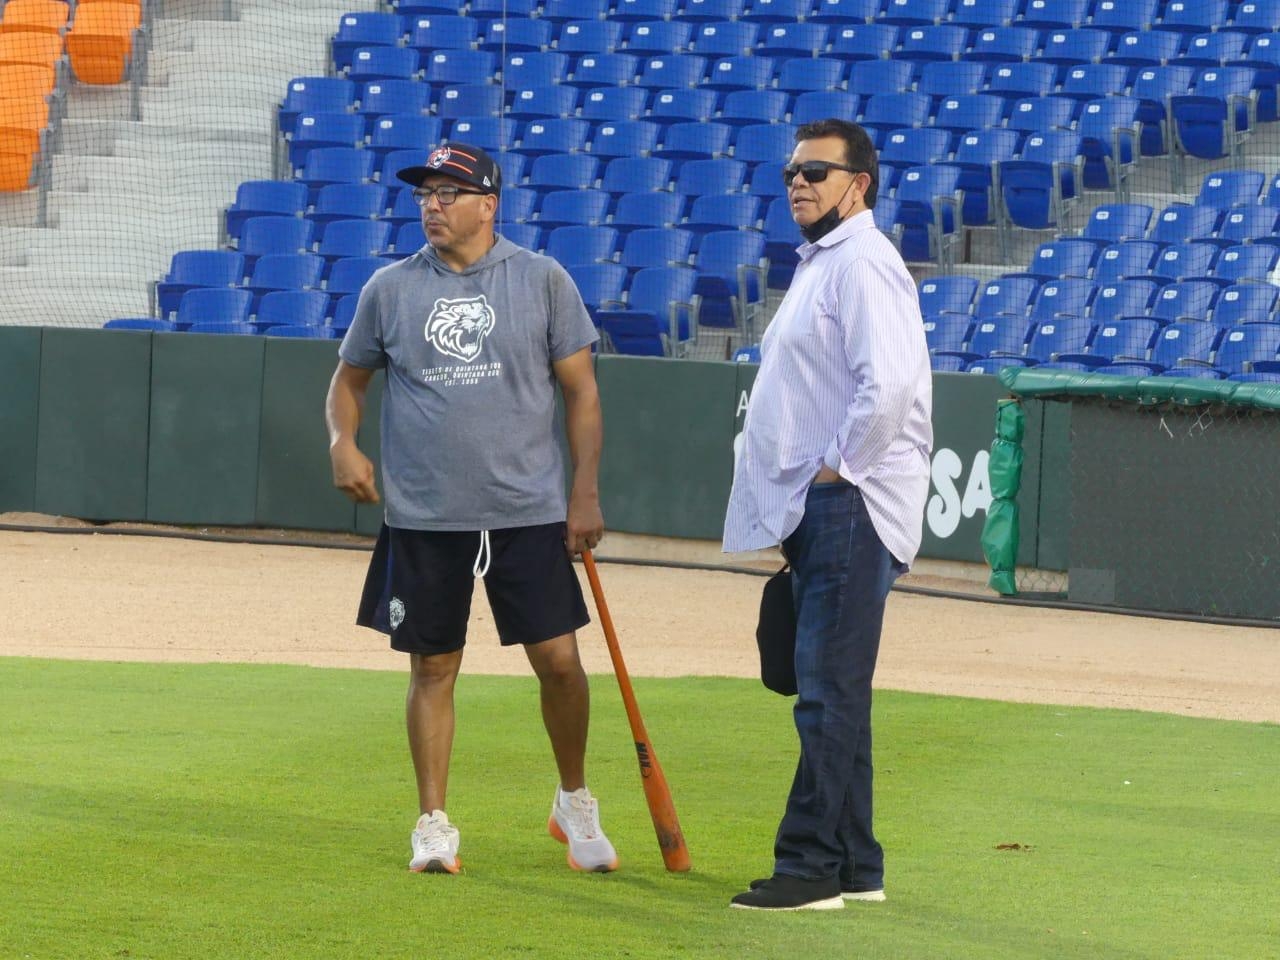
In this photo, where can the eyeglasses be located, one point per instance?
(815, 171)
(446, 194)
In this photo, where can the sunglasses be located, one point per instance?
(815, 171)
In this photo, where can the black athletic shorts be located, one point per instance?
(419, 585)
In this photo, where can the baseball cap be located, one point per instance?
(462, 161)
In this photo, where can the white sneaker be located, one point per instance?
(435, 844)
(575, 820)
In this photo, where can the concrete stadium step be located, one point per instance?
(44, 297)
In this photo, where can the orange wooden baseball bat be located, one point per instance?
(675, 853)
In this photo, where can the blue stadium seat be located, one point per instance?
(630, 174)
(1114, 222)
(444, 67)
(1089, 81)
(550, 102)
(604, 70)
(489, 133)
(600, 285)
(256, 198)
(327, 165)
(515, 35)
(820, 104)
(383, 63)
(1117, 341)
(1033, 114)
(1037, 188)
(929, 212)
(1054, 337)
(525, 235)
(697, 177)
(561, 135)
(845, 11)
(976, 155)
(732, 277)
(700, 11)
(1145, 48)
(1254, 261)
(561, 11)
(781, 238)
(350, 274)
(660, 314)
(364, 29)
(1068, 48)
(522, 71)
(800, 74)
(946, 363)
(776, 11)
(1243, 346)
(975, 111)
(517, 203)
(1215, 49)
(953, 294)
(943, 42)
(783, 40)
(1110, 138)
(1193, 16)
(315, 94)
(722, 211)
(1257, 16)
(985, 13)
(1183, 341)
(910, 147)
(260, 236)
(504, 9)
(724, 39)
(1185, 300)
(403, 97)
(887, 111)
(1062, 298)
(582, 244)
(144, 324)
(1014, 81)
(673, 106)
(209, 305)
(301, 332)
(313, 130)
(950, 78)
(652, 208)
(868, 78)
(442, 32)
(418, 8)
(1054, 14)
(345, 201)
(625, 138)
(302, 308)
(1125, 259)
(658, 36)
(409, 239)
(743, 108)
(1182, 221)
(344, 311)
(1001, 335)
(672, 71)
(1184, 261)
(588, 36)
(1245, 303)
(1004, 44)
(231, 327)
(354, 238)
(656, 247)
(1123, 299)
(1246, 224)
(514, 167)
(764, 142)
(913, 13)
(739, 73)
(694, 140)
(1122, 16)
(189, 269)
(1212, 121)
(1152, 87)
(403, 131)
(567, 207)
(1006, 296)
(862, 41)
(628, 11)
(947, 333)
(1064, 258)
(614, 103)
(1231, 188)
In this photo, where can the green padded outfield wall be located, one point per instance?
(206, 412)
(668, 448)
(19, 399)
(295, 480)
(91, 455)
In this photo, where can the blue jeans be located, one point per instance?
(841, 576)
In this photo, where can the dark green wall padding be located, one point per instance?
(19, 403)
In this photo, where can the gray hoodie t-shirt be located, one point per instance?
(468, 417)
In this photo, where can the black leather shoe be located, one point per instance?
(781, 892)
(869, 893)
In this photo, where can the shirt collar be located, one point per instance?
(865, 220)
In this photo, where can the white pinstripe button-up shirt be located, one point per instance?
(844, 380)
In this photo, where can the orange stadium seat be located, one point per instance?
(15, 170)
(30, 46)
(22, 80)
(47, 16)
(21, 124)
(100, 43)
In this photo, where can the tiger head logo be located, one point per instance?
(458, 327)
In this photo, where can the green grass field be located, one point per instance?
(161, 811)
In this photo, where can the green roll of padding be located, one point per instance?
(1000, 532)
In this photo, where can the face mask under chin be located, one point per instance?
(822, 226)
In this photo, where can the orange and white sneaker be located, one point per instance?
(435, 845)
(575, 820)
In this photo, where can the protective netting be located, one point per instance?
(1137, 140)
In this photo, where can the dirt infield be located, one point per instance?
(145, 598)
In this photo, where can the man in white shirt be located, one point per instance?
(834, 466)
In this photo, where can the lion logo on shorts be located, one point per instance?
(458, 327)
(395, 612)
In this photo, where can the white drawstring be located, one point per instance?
(483, 553)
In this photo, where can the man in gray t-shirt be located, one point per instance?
(474, 334)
